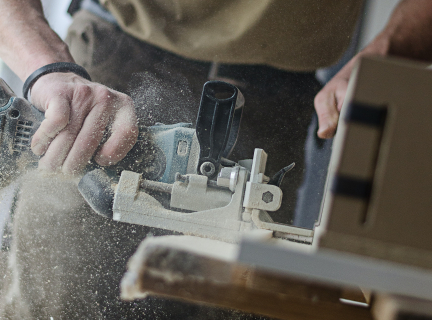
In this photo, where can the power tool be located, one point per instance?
(18, 122)
(209, 195)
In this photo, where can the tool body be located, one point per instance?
(236, 203)
(209, 195)
(214, 197)
(18, 122)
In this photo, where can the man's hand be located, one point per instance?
(407, 34)
(78, 114)
(328, 103)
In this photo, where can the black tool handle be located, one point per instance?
(220, 107)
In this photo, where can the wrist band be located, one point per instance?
(53, 67)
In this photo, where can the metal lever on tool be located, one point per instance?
(276, 180)
(218, 123)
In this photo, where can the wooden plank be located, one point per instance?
(263, 281)
(160, 269)
(275, 305)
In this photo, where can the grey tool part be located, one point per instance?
(219, 212)
(5, 93)
(176, 142)
(19, 120)
(96, 189)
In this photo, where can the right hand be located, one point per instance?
(328, 102)
(77, 114)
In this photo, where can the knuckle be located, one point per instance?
(320, 98)
(123, 101)
(103, 94)
(104, 98)
(132, 131)
(127, 100)
(128, 132)
(59, 122)
(82, 92)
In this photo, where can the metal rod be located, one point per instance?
(156, 186)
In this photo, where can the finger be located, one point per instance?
(340, 94)
(60, 146)
(328, 114)
(58, 150)
(87, 140)
(124, 134)
(56, 119)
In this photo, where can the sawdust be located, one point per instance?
(160, 101)
(69, 260)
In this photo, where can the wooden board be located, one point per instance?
(163, 267)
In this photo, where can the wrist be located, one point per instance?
(53, 68)
(408, 33)
(57, 53)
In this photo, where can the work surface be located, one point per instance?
(206, 271)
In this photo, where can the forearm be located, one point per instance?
(409, 30)
(408, 34)
(26, 40)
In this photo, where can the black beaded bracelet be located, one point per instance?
(53, 67)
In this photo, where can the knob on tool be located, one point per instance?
(276, 180)
(96, 189)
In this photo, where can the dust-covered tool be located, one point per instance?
(209, 195)
(153, 155)
(18, 122)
